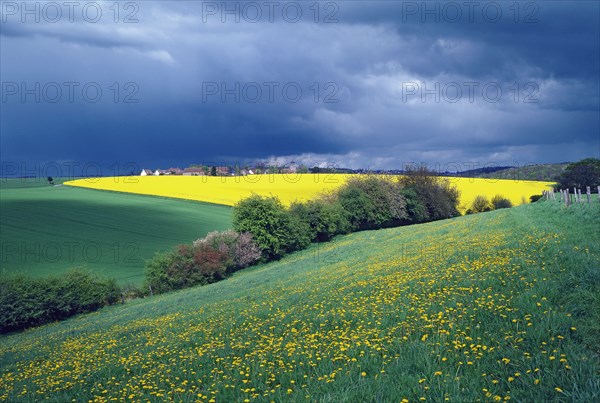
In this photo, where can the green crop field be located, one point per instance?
(492, 307)
(48, 229)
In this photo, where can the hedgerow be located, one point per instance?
(27, 301)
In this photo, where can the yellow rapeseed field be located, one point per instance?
(288, 187)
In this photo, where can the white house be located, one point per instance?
(146, 172)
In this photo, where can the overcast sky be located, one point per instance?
(347, 83)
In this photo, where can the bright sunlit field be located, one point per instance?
(288, 187)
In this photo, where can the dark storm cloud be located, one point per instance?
(378, 86)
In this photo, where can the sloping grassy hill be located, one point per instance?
(488, 307)
(48, 229)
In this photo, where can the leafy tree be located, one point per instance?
(436, 194)
(324, 216)
(415, 207)
(213, 171)
(372, 202)
(480, 204)
(299, 235)
(268, 222)
(157, 279)
(581, 174)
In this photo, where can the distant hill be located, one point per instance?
(539, 172)
(479, 172)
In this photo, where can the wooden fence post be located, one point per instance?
(588, 192)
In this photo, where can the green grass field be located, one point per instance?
(48, 229)
(491, 307)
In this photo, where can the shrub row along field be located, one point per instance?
(50, 229)
(484, 307)
(288, 187)
(27, 301)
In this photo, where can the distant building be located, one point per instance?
(194, 172)
(174, 171)
(288, 170)
(146, 172)
(222, 171)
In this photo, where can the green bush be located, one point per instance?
(157, 279)
(27, 302)
(325, 217)
(415, 206)
(270, 225)
(500, 201)
(299, 232)
(435, 194)
(372, 202)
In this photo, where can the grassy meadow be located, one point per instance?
(491, 307)
(49, 229)
(288, 187)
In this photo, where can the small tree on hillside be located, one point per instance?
(267, 220)
(372, 202)
(500, 201)
(581, 174)
(436, 194)
(480, 204)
